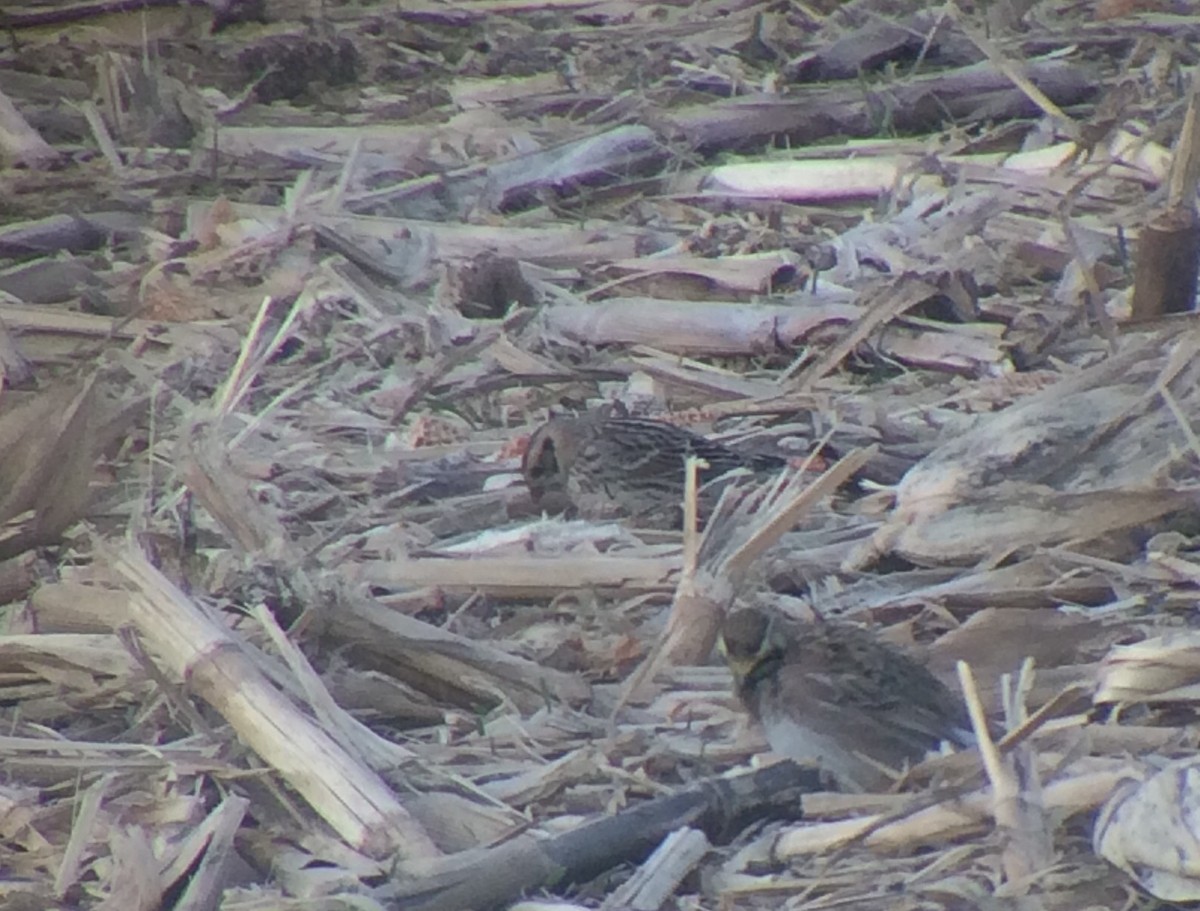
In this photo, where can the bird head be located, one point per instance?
(548, 458)
(748, 641)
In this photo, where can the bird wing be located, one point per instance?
(851, 667)
(890, 729)
(663, 447)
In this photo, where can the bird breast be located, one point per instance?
(807, 744)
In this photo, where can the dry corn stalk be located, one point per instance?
(1163, 669)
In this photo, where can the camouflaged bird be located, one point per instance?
(603, 467)
(838, 696)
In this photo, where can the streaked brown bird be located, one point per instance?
(609, 467)
(838, 696)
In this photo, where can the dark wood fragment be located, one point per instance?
(1165, 271)
(721, 807)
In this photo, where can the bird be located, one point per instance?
(836, 695)
(603, 467)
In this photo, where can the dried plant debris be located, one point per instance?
(1161, 669)
(1108, 450)
(407, 395)
(1148, 830)
(50, 442)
